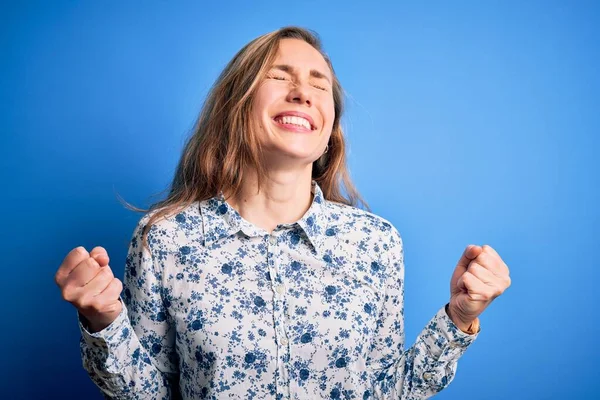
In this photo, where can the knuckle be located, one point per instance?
(474, 267)
(91, 263)
(467, 277)
(97, 251)
(86, 301)
(83, 302)
(96, 303)
(484, 258)
(67, 294)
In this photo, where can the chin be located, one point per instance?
(295, 153)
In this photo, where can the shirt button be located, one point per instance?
(273, 240)
(280, 289)
(284, 341)
(427, 376)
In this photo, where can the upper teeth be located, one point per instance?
(288, 119)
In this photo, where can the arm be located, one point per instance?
(429, 365)
(134, 357)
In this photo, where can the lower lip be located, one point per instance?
(293, 128)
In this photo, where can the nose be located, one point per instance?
(300, 94)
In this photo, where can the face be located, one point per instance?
(294, 103)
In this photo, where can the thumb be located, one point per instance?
(471, 252)
(100, 255)
(461, 284)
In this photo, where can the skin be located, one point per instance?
(480, 277)
(286, 196)
(86, 280)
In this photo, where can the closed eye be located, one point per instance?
(279, 78)
(283, 78)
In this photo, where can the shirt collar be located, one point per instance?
(220, 220)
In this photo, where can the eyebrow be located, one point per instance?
(290, 70)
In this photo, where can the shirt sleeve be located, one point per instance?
(134, 357)
(429, 365)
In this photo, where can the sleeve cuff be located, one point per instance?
(444, 339)
(445, 343)
(112, 334)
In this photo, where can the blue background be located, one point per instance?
(468, 122)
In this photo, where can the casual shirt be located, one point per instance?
(220, 308)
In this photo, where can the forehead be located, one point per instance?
(302, 56)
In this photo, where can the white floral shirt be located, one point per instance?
(220, 308)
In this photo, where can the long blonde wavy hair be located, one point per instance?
(224, 146)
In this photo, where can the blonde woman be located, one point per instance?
(257, 277)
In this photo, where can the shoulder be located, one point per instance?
(168, 228)
(362, 222)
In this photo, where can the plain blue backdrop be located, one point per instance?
(468, 122)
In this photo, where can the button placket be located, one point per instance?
(282, 341)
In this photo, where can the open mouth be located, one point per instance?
(295, 121)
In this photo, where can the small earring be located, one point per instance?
(326, 149)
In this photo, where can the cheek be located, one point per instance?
(267, 95)
(259, 104)
(328, 106)
(329, 113)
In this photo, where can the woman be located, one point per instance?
(256, 277)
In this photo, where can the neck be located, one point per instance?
(283, 199)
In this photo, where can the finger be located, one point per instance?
(105, 302)
(460, 283)
(478, 290)
(489, 249)
(99, 282)
(111, 296)
(100, 254)
(470, 253)
(482, 273)
(70, 262)
(112, 291)
(83, 273)
(474, 287)
(493, 263)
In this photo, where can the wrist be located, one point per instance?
(468, 327)
(97, 322)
